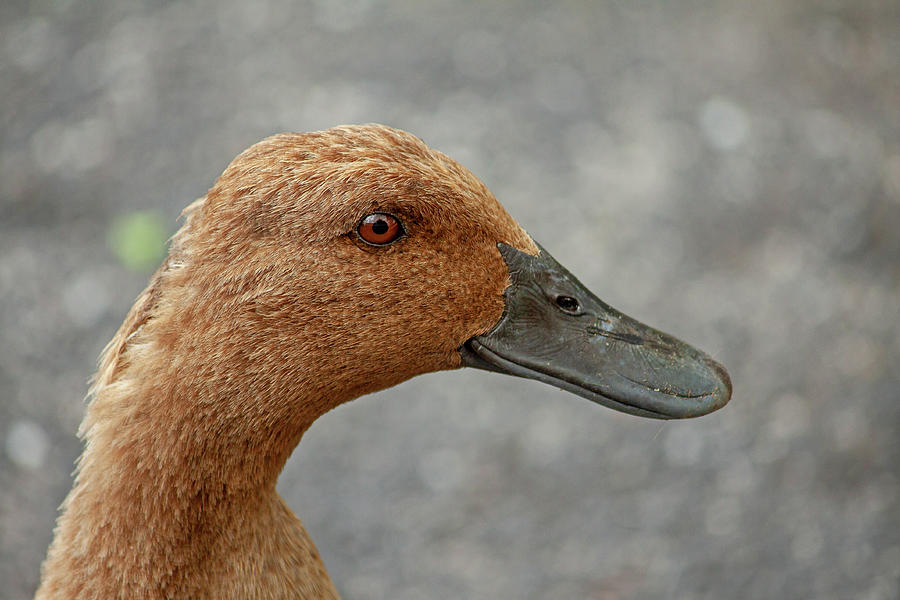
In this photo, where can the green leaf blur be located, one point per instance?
(138, 240)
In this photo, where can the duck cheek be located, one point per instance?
(477, 303)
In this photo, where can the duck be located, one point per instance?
(318, 268)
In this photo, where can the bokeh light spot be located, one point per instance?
(138, 240)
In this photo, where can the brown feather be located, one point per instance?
(267, 313)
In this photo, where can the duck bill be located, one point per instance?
(556, 331)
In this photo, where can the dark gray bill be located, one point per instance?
(556, 331)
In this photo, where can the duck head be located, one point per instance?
(318, 268)
(363, 256)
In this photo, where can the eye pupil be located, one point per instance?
(380, 227)
(568, 303)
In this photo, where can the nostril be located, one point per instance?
(568, 304)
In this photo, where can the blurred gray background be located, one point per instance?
(726, 171)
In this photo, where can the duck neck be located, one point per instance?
(175, 495)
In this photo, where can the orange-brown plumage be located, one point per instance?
(273, 307)
(267, 313)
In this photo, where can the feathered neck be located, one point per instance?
(184, 440)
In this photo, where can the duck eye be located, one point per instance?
(379, 229)
(568, 304)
